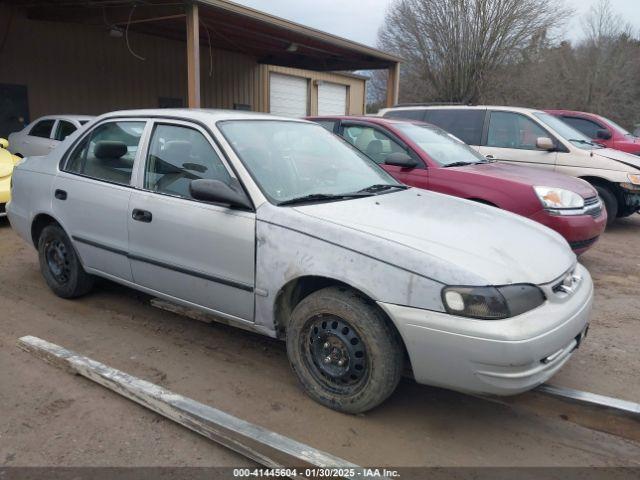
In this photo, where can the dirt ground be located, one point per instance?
(48, 417)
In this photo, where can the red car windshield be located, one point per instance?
(442, 147)
(618, 127)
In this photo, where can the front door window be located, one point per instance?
(372, 142)
(177, 156)
(512, 130)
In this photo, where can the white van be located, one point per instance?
(536, 138)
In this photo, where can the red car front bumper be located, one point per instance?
(581, 231)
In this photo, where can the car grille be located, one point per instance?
(583, 243)
(593, 207)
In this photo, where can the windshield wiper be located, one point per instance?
(459, 164)
(378, 187)
(317, 197)
(584, 142)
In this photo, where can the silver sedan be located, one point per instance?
(280, 227)
(44, 134)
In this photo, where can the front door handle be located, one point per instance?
(60, 194)
(141, 215)
(490, 157)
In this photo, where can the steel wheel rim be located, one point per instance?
(335, 354)
(58, 261)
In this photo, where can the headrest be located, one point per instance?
(375, 147)
(110, 150)
(378, 135)
(177, 148)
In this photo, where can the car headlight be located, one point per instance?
(492, 303)
(558, 198)
(634, 178)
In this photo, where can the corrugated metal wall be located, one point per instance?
(71, 68)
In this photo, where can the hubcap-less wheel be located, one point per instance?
(58, 261)
(335, 353)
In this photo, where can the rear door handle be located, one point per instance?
(141, 215)
(60, 194)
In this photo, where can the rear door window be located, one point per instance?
(587, 127)
(64, 129)
(42, 129)
(466, 124)
(108, 152)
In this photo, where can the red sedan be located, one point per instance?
(425, 156)
(600, 129)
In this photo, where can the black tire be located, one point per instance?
(60, 265)
(610, 203)
(337, 324)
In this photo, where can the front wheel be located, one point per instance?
(60, 265)
(610, 203)
(343, 350)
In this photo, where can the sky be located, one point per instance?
(359, 20)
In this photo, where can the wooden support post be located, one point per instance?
(393, 85)
(193, 56)
(259, 444)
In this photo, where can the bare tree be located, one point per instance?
(606, 51)
(596, 74)
(452, 46)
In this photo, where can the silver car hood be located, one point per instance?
(451, 240)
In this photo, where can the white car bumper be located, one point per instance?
(501, 357)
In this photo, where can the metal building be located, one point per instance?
(93, 56)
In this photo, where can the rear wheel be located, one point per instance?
(60, 265)
(343, 350)
(610, 202)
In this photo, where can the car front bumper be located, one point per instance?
(580, 231)
(499, 357)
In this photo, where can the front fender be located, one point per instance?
(284, 254)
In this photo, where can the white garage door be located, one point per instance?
(332, 99)
(288, 96)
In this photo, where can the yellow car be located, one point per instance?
(7, 162)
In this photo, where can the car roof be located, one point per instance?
(571, 112)
(467, 107)
(197, 114)
(65, 117)
(364, 118)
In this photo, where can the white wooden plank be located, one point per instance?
(257, 443)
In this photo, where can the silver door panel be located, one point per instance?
(198, 252)
(95, 216)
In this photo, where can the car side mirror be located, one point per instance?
(400, 159)
(545, 143)
(215, 191)
(4, 143)
(603, 134)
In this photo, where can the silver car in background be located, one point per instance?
(44, 134)
(280, 227)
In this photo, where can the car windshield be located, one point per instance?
(622, 130)
(294, 160)
(566, 131)
(441, 146)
